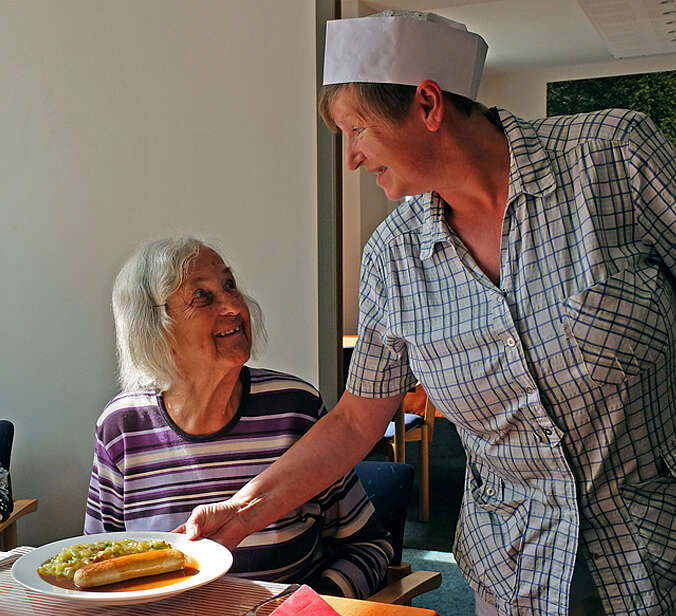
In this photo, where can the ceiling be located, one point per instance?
(532, 33)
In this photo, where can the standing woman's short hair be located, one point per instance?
(142, 323)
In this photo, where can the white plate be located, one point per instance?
(213, 558)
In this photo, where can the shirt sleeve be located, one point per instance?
(361, 548)
(652, 169)
(379, 366)
(104, 511)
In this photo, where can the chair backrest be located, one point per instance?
(388, 486)
(429, 415)
(6, 439)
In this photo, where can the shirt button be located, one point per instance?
(530, 390)
(510, 342)
(490, 491)
(548, 431)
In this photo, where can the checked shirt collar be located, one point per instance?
(530, 173)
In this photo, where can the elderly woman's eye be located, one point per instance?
(229, 284)
(201, 297)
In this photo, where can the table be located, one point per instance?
(227, 596)
(353, 607)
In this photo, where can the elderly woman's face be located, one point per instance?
(212, 326)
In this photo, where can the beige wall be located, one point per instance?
(123, 120)
(524, 92)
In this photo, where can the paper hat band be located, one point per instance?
(403, 50)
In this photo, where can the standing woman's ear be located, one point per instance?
(429, 99)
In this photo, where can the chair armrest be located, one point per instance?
(396, 572)
(402, 591)
(8, 535)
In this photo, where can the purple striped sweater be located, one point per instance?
(148, 475)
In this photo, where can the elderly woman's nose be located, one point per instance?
(227, 303)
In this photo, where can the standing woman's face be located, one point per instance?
(395, 153)
(211, 323)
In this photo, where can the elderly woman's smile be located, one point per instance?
(228, 333)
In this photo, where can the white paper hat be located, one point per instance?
(404, 48)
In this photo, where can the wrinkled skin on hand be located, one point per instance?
(222, 522)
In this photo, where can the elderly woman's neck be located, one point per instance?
(204, 407)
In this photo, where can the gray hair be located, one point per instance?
(142, 323)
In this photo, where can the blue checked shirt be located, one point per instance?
(562, 380)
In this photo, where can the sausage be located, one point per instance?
(128, 567)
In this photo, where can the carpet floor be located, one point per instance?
(454, 597)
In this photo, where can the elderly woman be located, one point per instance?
(193, 424)
(529, 284)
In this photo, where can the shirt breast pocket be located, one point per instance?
(620, 327)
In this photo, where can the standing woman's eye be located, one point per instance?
(201, 298)
(357, 131)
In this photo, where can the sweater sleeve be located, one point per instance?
(360, 547)
(105, 501)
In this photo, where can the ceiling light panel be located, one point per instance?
(632, 28)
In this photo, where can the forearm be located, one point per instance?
(325, 453)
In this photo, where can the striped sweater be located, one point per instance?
(148, 475)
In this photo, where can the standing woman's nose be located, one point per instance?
(353, 157)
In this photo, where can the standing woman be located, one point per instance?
(194, 423)
(529, 284)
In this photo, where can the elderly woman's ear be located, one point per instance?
(429, 102)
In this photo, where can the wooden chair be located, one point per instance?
(8, 534)
(388, 486)
(408, 428)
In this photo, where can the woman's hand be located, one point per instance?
(223, 522)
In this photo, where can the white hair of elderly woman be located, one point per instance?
(142, 324)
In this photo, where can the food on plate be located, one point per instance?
(70, 559)
(128, 567)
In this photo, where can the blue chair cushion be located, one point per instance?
(411, 420)
(388, 485)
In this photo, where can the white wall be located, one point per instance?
(130, 119)
(524, 91)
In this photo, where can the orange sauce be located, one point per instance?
(143, 583)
